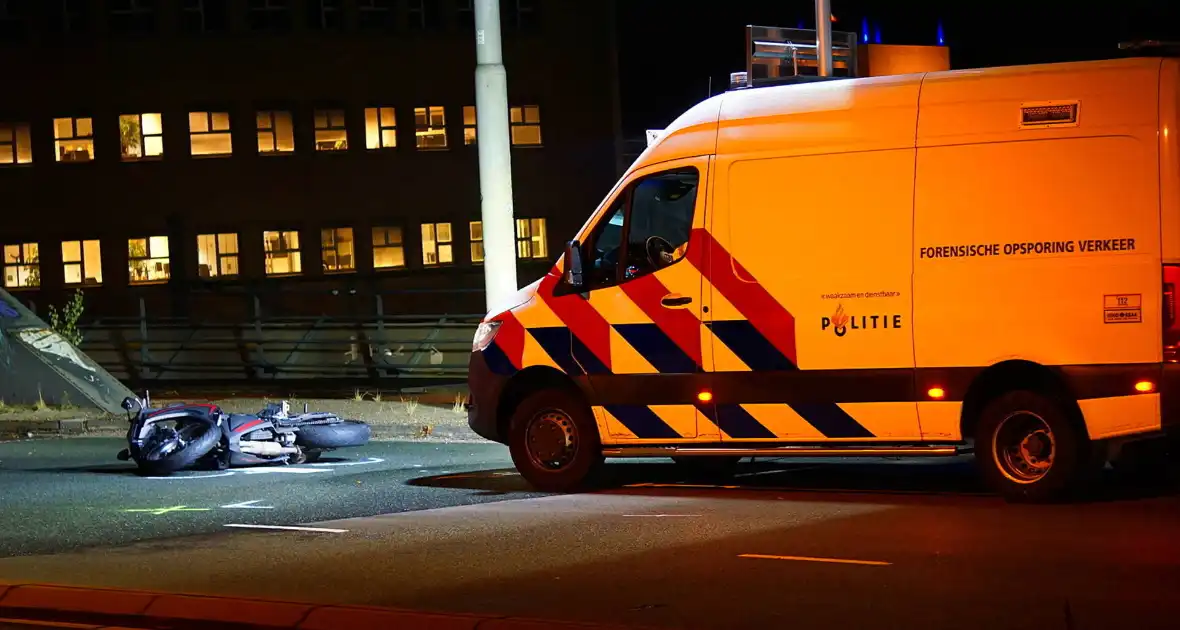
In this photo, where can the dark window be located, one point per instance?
(70, 17)
(646, 229)
(132, 17)
(465, 14)
(376, 16)
(270, 16)
(14, 17)
(204, 16)
(326, 15)
(522, 16)
(425, 15)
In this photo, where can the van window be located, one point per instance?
(653, 219)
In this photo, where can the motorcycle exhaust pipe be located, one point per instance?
(267, 448)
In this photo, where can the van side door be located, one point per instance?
(640, 281)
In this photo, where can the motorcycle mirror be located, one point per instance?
(130, 403)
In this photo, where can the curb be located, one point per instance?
(131, 609)
(75, 426)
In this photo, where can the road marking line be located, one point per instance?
(249, 505)
(285, 469)
(680, 485)
(288, 528)
(183, 478)
(368, 460)
(658, 515)
(875, 563)
(167, 510)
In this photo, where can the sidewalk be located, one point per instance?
(422, 417)
(103, 608)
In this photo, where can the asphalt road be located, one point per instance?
(450, 528)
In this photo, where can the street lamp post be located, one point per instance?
(495, 157)
(823, 36)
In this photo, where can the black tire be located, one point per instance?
(199, 446)
(340, 435)
(1003, 422)
(566, 420)
(708, 468)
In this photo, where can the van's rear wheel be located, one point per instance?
(1027, 449)
(554, 441)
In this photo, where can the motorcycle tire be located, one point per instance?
(185, 457)
(338, 435)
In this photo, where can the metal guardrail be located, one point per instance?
(316, 352)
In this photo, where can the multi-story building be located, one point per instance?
(189, 152)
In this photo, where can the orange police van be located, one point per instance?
(920, 265)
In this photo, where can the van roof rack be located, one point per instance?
(742, 80)
(1151, 47)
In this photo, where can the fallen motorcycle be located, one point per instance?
(189, 435)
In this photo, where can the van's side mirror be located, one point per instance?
(573, 265)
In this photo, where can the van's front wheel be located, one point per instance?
(1027, 449)
(554, 441)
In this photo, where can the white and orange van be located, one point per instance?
(928, 264)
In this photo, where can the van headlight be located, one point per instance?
(484, 335)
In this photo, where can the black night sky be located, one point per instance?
(670, 48)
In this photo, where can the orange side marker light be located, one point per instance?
(705, 396)
(1145, 387)
(937, 393)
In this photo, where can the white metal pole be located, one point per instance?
(495, 157)
(823, 36)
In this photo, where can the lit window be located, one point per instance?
(275, 132)
(330, 131)
(380, 128)
(217, 255)
(82, 262)
(74, 139)
(22, 268)
(15, 146)
(140, 136)
(147, 260)
(424, 15)
(436, 244)
(336, 249)
(209, 133)
(530, 239)
(476, 241)
(376, 15)
(526, 125)
(132, 16)
(430, 127)
(270, 15)
(203, 16)
(325, 14)
(388, 251)
(469, 124)
(282, 253)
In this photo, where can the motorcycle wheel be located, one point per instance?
(339, 435)
(179, 448)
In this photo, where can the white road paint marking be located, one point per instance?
(368, 460)
(290, 528)
(659, 515)
(759, 556)
(249, 505)
(293, 470)
(223, 474)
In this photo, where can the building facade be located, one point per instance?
(181, 156)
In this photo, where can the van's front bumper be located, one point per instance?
(484, 387)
